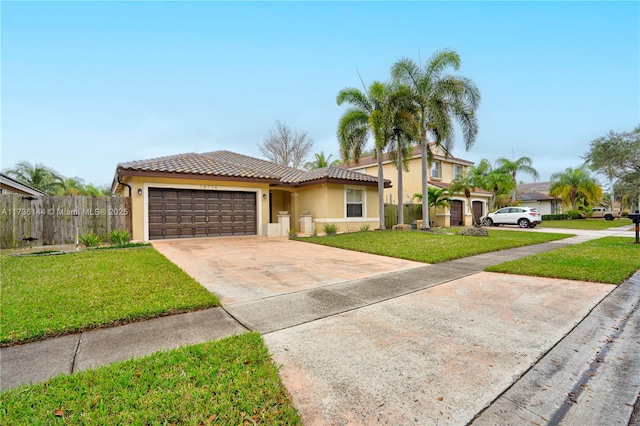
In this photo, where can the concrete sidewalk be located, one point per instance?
(290, 320)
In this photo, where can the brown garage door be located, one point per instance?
(456, 213)
(188, 213)
(477, 210)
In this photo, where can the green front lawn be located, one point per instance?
(591, 224)
(229, 381)
(606, 260)
(431, 247)
(45, 296)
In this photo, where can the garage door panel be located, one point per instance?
(186, 213)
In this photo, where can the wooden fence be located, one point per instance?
(28, 221)
(412, 212)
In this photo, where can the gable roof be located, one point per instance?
(229, 165)
(417, 153)
(17, 185)
(535, 196)
(534, 187)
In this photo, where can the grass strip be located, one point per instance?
(228, 381)
(431, 247)
(606, 260)
(589, 224)
(44, 296)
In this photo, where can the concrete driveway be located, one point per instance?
(386, 341)
(241, 269)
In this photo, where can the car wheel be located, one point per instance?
(488, 222)
(523, 223)
(608, 217)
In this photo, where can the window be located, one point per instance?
(354, 202)
(436, 170)
(457, 171)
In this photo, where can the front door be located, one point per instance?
(456, 213)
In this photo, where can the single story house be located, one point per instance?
(536, 195)
(545, 204)
(223, 193)
(9, 185)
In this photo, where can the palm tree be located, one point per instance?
(497, 181)
(71, 186)
(39, 176)
(466, 184)
(321, 161)
(522, 164)
(573, 186)
(441, 98)
(401, 111)
(438, 197)
(366, 116)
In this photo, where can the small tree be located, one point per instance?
(320, 161)
(39, 177)
(286, 146)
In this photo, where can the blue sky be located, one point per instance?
(86, 85)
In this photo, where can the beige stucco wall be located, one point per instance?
(139, 202)
(327, 205)
(411, 180)
(6, 189)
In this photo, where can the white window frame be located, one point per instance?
(438, 166)
(363, 202)
(458, 168)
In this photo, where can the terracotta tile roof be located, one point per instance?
(371, 160)
(447, 185)
(336, 173)
(231, 164)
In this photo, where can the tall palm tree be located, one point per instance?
(575, 185)
(441, 99)
(522, 164)
(39, 176)
(320, 161)
(365, 117)
(402, 114)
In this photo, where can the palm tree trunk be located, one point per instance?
(400, 198)
(380, 188)
(425, 183)
(612, 195)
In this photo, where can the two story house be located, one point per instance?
(443, 171)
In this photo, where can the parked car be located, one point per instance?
(601, 212)
(524, 217)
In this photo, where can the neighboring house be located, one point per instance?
(536, 195)
(443, 171)
(224, 193)
(9, 185)
(541, 187)
(545, 204)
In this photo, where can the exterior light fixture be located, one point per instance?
(139, 191)
(265, 196)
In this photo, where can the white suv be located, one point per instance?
(524, 217)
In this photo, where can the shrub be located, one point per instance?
(554, 217)
(120, 237)
(575, 214)
(330, 229)
(90, 239)
(624, 214)
(292, 233)
(364, 228)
